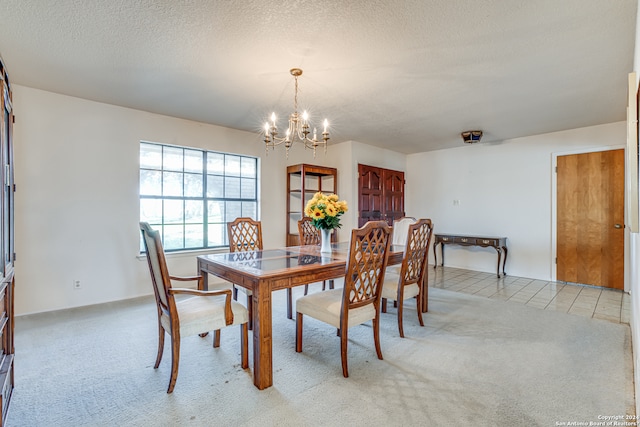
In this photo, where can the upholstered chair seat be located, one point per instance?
(390, 288)
(326, 306)
(201, 314)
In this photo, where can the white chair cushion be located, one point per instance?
(390, 288)
(203, 314)
(400, 230)
(393, 269)
(326, 306)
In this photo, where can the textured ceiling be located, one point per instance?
(408, 75)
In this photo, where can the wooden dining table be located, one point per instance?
(270, 270)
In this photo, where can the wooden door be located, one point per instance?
(369, 194)
(393, 195)
(380, 194)
(590, 218)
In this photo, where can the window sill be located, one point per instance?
(189, 253)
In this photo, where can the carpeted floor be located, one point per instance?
(476, 362)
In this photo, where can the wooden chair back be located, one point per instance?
(245, 234)
(158, 269)
(309, 234)
(414, 263)
(368, 256)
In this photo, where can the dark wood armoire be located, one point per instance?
(7, 250)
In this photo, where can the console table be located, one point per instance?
(498, 243)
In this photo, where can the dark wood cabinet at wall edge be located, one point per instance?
(7, 247)
(303, 181)
(497, 243)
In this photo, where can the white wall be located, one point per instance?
(504, 189)
(77, 208)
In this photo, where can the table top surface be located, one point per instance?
(298, 258)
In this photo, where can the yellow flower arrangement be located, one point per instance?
(325, 210)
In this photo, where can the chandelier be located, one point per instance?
(298, 130)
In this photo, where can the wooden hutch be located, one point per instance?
(7, 250)
(303, 181)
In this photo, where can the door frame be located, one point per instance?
(554, 207)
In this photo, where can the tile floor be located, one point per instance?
(598, 303)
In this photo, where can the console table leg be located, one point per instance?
(504, 262)
(435, 256)
(499, 250)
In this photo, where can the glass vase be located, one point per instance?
(325, 240)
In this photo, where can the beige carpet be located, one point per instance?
(476, 362)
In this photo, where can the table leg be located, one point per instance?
(499, 250)
(504, 262)
(435, 256)
(205, 285)
(262, 345)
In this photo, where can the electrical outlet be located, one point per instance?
(456, 202)
(76, 284)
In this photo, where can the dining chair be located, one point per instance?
(245, 234)
(410, 282)
(200, 313)
(310, 235)
(359, 300)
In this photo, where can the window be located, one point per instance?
(189, 195)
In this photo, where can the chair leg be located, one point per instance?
(384, 305)
(400, 301)
(419, 309)
(299, 332)
(216, 338)
(400, 328)
(244, 345)
(289, 303)
(343, 352)
(331, 284)
(160, 345)
(306, 288)
(235, 293)
(250, 310)
(175, 357)
(376, 335)
(324, 283)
